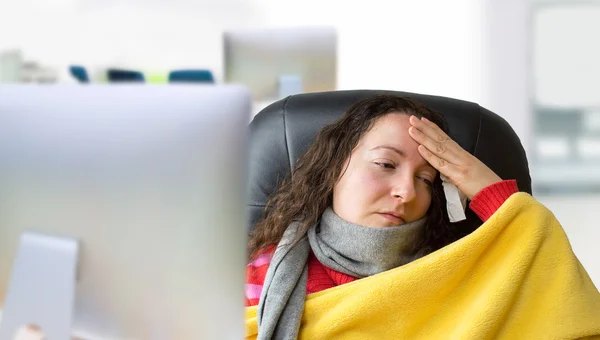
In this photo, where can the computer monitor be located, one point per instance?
(274, 63)
(150, 181)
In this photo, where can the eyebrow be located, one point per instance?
(389, 147)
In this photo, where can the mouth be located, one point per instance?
(392, 217)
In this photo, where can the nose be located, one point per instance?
(404, 188)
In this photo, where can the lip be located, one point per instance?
(392, 217)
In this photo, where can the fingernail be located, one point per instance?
(425, 119)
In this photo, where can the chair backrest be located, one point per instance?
(283, 131)
(191, 76)
(124, 76)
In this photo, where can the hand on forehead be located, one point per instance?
(467, 172)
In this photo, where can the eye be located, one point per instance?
(426, 181)
(385, 165)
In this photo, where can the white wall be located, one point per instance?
(427, 46)
(507, 73)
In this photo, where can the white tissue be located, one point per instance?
(456, 200)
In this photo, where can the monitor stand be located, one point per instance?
(41, 290)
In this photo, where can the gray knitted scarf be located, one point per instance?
(340, 245)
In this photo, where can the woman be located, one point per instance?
(366, 199)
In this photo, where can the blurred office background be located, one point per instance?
(534, 62)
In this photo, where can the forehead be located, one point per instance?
(391, 129)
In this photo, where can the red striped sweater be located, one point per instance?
(320, 277)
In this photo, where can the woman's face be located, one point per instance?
(386, 182)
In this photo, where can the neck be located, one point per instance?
(363, 251)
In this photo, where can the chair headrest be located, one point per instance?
(283, 131)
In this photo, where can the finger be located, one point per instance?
(430, 129)
(438, 163)
(447, 150)
(436, 134)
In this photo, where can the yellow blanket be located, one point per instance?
(515, 277)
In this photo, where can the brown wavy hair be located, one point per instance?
(309, 191)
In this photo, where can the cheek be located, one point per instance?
(367, 188)
(374, 185)
(358, 190)
(424, 201)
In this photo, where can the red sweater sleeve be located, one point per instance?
(488, 200)
(256, 271)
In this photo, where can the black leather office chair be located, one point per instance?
(283, 131)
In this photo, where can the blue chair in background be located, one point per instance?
(79, 73)
(124, 76)
(191, 76)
